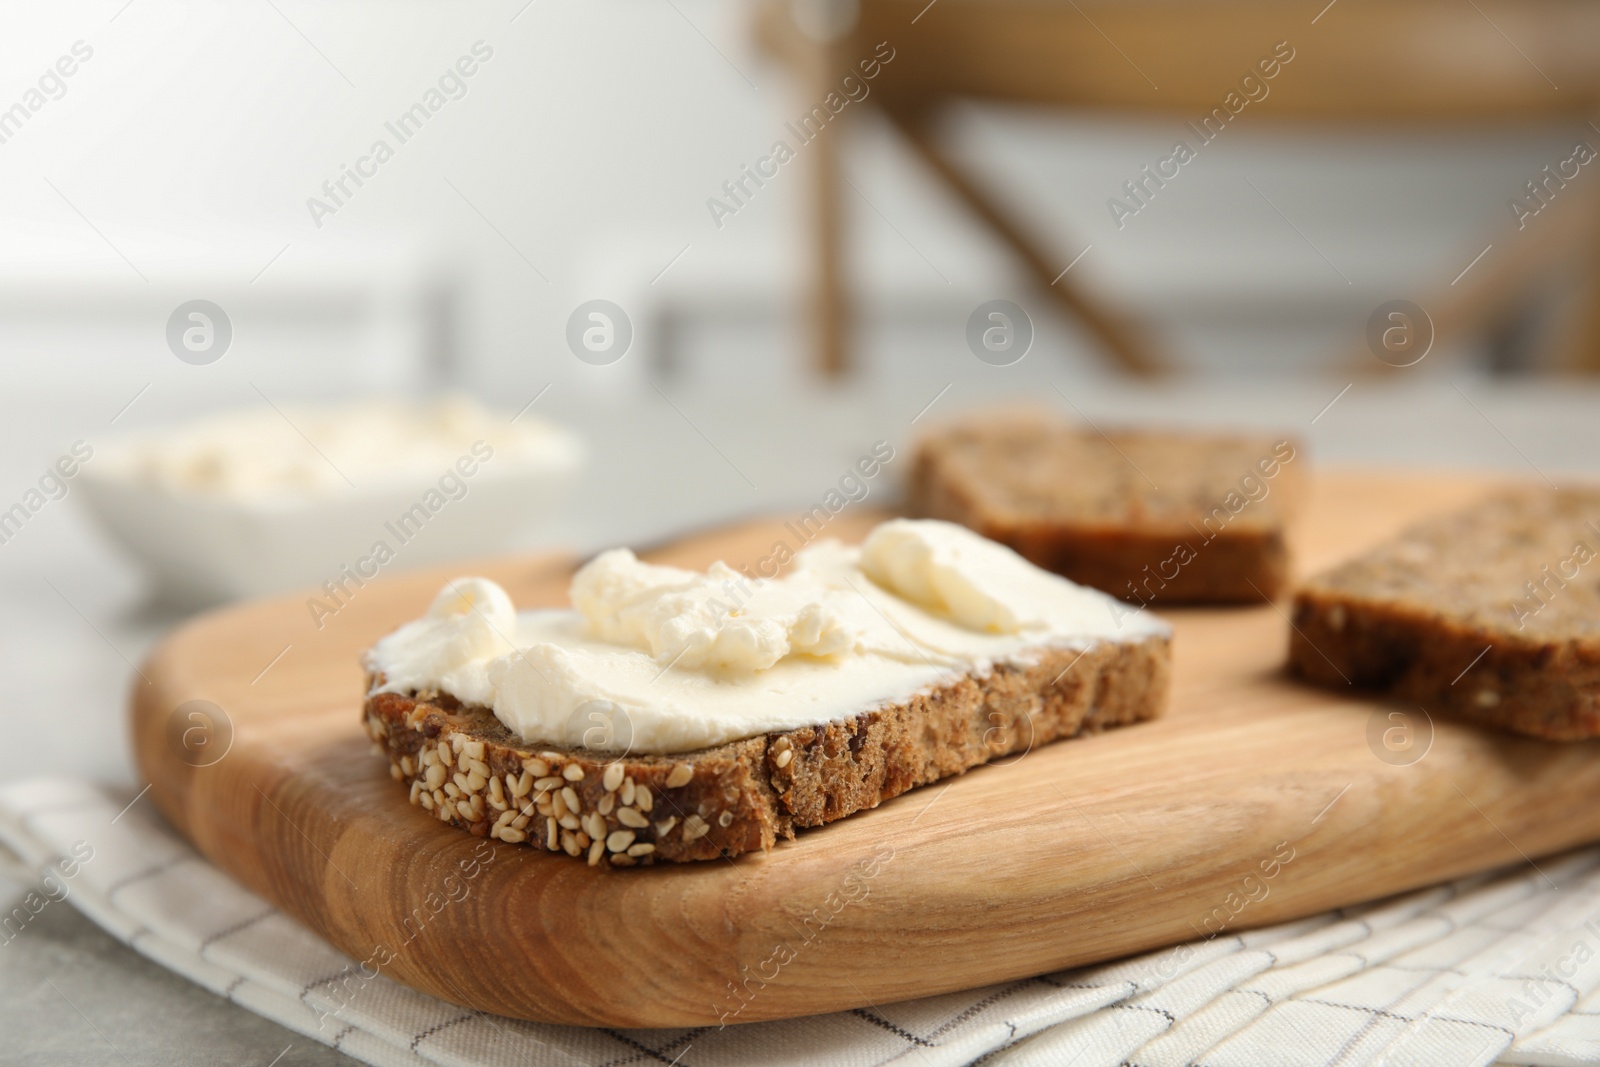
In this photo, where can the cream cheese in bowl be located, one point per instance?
(269, 498)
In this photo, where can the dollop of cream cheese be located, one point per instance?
(468, 625)
(957, 575)
(661, 659)
(713, 620)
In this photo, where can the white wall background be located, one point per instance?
(584, 152)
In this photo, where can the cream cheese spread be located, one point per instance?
(660, 659)
(298, 453)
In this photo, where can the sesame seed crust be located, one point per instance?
(464, 767)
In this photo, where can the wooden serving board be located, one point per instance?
(1078, 852)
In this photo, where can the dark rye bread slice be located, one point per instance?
(1144, 515)
(742, 796)
(1491, 613)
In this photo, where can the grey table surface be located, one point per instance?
(76, 616)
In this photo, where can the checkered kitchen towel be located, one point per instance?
(1492, 969)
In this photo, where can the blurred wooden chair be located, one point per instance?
(1355, 60)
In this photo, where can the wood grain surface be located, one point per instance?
(1077, 852)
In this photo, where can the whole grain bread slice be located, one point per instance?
(1491, 613)
(1164, 516)
(621, 810)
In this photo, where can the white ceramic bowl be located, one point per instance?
(204, 547)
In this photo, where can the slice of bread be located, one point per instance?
(466, 768)
(1491, 614)
(1168, 517)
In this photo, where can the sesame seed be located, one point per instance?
(570, 821)
(784, 758)
(523, 786)
(643, 799)
(569, 844)
(476, 781)
(477, 766)
(452, 790)
(631, 817)
(664, 827)
(553, 757)
(458, 742)
(627, 791)
(426, 799)
(569, 796)
(681, 773)
(505, 818)
(594, 825)
(597, 849)
(462, 782)
(622, 859)
(513, 836)
(550, 830)
(536, 767)
(395, 772)
(572, 772)
(416, 791)
(520, 822)
(549, 782)
(619, 840)
(558, 805)
(694, 828)
(607, 802)
(474, 749)
(613, 777)
(725, 820)
(643, 848)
